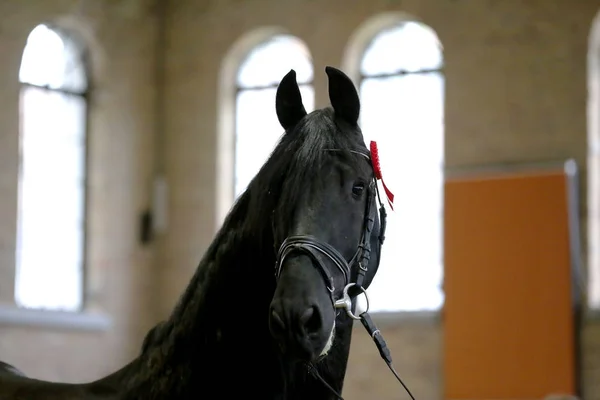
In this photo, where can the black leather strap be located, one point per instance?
(311, 246)
(315, 248)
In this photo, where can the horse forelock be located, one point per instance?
(294, 167)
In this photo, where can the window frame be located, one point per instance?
(241, 88)
(592, 272)
(363, 40)
(83, 62)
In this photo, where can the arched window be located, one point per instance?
(52, 176)
(257, 129)
(593, 200)
(402, 96)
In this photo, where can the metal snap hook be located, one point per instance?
(346, 301)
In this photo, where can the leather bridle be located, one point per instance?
(315, 249)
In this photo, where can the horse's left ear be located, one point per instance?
(343, 95)
(288, 101)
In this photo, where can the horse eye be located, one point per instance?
(358, 189)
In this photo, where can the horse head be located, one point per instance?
(327, 231)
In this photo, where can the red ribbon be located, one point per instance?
(377, 170)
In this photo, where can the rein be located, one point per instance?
(314, 248)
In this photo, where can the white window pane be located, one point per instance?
(50, 242)
(53, 60)
(404, 114)
(410, 46)
(258, 131)
(270, 61)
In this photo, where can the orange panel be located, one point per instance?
(508, 315)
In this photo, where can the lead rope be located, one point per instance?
(384, 351)
(365, 318)
(314, 371)
(345, 303)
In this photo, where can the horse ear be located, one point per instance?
(288, 101)
(343, 95)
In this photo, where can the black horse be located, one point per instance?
(269, 311)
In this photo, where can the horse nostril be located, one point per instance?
(277, 324)
(311, 320)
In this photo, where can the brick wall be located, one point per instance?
(516, 92)
(416, 345)
(121, 39)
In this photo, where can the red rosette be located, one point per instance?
(378, 175)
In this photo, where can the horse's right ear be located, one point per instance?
(288, 102)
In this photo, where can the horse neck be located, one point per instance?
(220, 321)
(231, 288)
(234, 274)
(118, 381)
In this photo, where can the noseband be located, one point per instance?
(318, 250)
